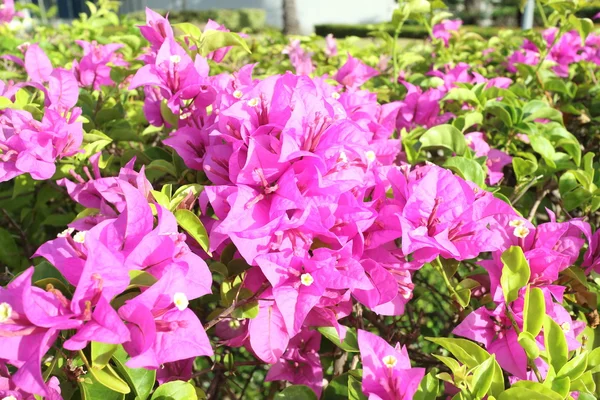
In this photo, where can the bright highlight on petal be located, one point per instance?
(181, 301)
(390, 361)
(307, 279)
(11, 397)
(5, 312)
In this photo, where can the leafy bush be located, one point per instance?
(251, 19)
(408, 31)
(189, 214)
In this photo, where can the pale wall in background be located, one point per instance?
(310, 12)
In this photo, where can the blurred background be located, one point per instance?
(340, 17)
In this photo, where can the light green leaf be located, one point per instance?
(534, 311)
(213, 40)
(482, 377)
(350, 342)
(468, 169)
(444, 136)
(192, 225)
(102, 353)
(555, 343)
(515, 273)
(176, 390)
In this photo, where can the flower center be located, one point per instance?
(5, 312)
(521, 232)
(181, 301)
(306, 279)
(66, 232)
(390, 361)
(238, 94)
(370, 156)
(175, 59)
(253, 102)
(79, 237)
(566, 327)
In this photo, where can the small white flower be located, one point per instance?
(370, 156)
(566, 327)
(175, 59)
(79, 237)
(516, 223)
(181, 301)
(238, 94)
(5, 312)
(521, 232)
(390, 361)
(253, 102)
(307, 279)
(66, 232)
(335, 95)
(234, 324)
(11, 397)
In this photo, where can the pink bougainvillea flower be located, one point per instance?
(444, 29)
(420, 109)
(301, 59)
(30, 320)
(163, 329)
(354, 73)
(331, 49)
(387, 373)
(300, 364)
(37, 64)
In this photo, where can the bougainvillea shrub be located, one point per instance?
(193, 213)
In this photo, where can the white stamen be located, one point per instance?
(516, 223)
(238, 94)
(253, 102)
(11, 397)
(175, 59)
(343, 157)
(566, 327)
(335, 95)
(306, 279)
(181, 301)
(5, 312)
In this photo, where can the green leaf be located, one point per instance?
(296, 392)
(213, 40)
(109, 378)
(444, 136)
(189, 29)
(337, 388)
(168, 115)
(575, 367)
(555, 343)
(428, 388)
(91, 389)
(354, 386)
(102, 353)
(543, 147)
(501, 111)
(9, 252)
(161, 198)
(471, 355)
(141, 380)
(515, 273)
(176, 390)
(522, 390)
(523, 167)
(94, 141)
(350, 342)
(138, 278)
(468, 120)
(585, 383)
(192, 225)
(468, 169)
(534, 311)
(482, 378)
(461, 95)
(529, 344)
(164, 167)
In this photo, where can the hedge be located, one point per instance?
(250, 19)
(408, 31)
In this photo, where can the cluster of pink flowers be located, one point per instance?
(444, 30)
(565, 51)
(306, 185)
(7, 11)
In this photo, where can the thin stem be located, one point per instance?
(537, 203)
(438, 265)
(226, 312)
(542, 13)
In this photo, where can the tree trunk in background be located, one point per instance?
(291, 26)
